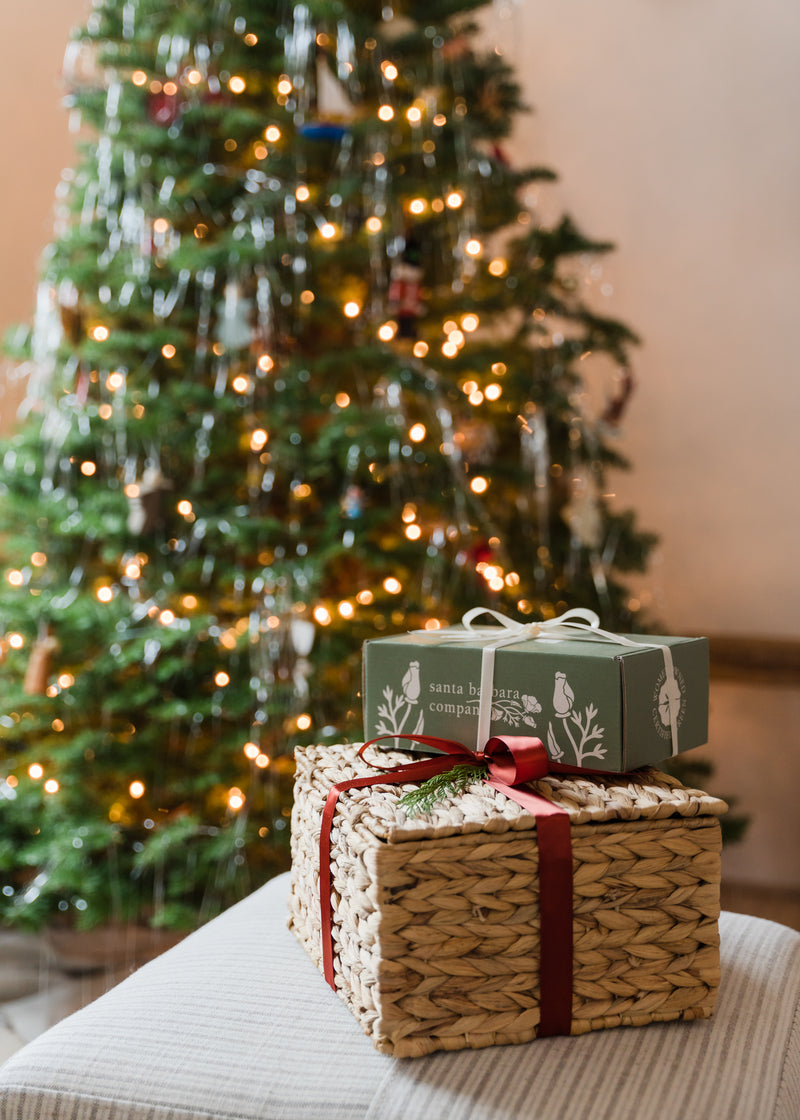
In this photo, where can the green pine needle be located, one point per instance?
(440, 787)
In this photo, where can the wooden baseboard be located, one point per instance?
(755, 660)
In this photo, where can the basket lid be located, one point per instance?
(645, 794)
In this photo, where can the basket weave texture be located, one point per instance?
(436, 918)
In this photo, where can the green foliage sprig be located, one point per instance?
(441, 787)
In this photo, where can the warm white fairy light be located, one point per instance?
(322, 615)
(166, 617)
(139, 78)
(136, 790)
(51, 786)
(133, 569)
(469, 387)
(221, 678)
(470, 322)
(352, 309)
(262, 761)
(105, 593)
(168, 350)
(258, 439)
(301, 490)
(250, 39)
(235, 799)
(389, 71)
(170, 89)
(374, 225)
(15, 577)
(479, 484)
(499, 368)
(365, 597)
(342, 400)
(346, 609)
(302, 193)
(493, 392)
(420, 349)
(265, 363)
(476, 398)
(304, 721)
(417, 433)
(457, 338)
(512, 579)
(194, 77)
(189, 602)
(392, 586)
(307, 296)
(474, 247)
(36, 771)
(15, 641)
(498, 266)
(115, 381)
(386, 113)
(241, 384)
(99, 333)
(272, 133)
(454, 200)
(251, 750)
(88, 468)
(414, 114)
(449, 349)
(160, 225)
(417, 205)
(284, 85)
(237, 84)
(413, 532)
(409, 513)
(386, 331)
(440, 120)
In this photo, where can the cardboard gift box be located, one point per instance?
(435, 927)
(613, 704)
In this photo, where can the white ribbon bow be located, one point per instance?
(579, 623)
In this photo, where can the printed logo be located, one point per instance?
(669, 697)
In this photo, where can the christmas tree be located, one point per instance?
(306, 367)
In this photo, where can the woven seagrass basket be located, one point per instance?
(436, 918)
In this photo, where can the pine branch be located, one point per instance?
(440, 787)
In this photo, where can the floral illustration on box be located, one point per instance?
(587, 730)
(395, 713)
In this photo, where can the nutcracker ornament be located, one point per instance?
(405, 287)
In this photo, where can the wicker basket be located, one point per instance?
(436, 919)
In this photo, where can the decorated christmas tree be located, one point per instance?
(305, 367)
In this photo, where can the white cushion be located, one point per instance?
(236, 1023)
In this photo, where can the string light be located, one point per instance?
(168, 350)
(51, 786)
(35, 771)
(497, 267)
(105, 593)
(139, 78)
(479, 485)
(99, 333)
(221, 679)
(307, 296)
(413, 532)
(386, 331)
(322, 615)
(365, 597)
(392, 586)
(272, 133)
(241, 384)
(328, 230)
(262, 761)
(166, 617)
(346, 609)
(414, 114)
(352, 309)
(258, 439)
(304, 722)
(389, 71)
(474, 247)
(342, 400)
(417, 206)
(470, 322)
(284, 86)
(417, 433)
(88, 468)
(493, 392)
(136, 790)
(386, 113)
(420, 349)
(194, 77)
(237, 84)
(184, 507)
(302, 193)
(454, 200)
(16, 641)
(235, 799)
(15, 578)
(265, 363)
(251, 750)
(374, 225)
(189, 602)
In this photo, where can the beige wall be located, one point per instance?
(673, 126)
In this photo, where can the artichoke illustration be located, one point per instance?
(563, 696)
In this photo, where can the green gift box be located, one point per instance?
(595, 699)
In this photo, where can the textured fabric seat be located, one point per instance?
(235, 1022)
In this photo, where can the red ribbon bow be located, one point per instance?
(510, 761)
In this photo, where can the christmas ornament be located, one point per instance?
(405, 281)
(146, 501)
(38, 670)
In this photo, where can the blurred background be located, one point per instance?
(672, 128)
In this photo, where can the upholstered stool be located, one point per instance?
(235, 1023)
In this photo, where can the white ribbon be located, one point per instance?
(578, 623)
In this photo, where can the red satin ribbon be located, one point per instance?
(510, 760)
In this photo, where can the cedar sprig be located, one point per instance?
(440, 787)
